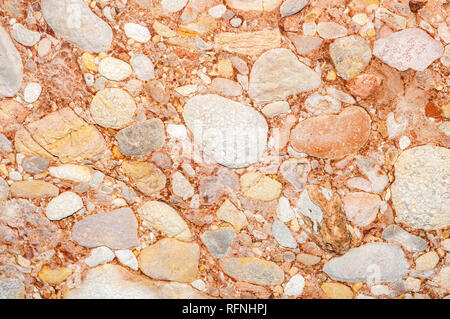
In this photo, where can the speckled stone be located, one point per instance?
(253, 270)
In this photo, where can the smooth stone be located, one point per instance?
(331, 30)
(335, 290)
(146, 177)
(137, 32)
(4, 189)
(165, 219)
(170, 259)
(32, 92)
(11, 288)
(350, 56)
(277, 74)
(408, 49)
(33, 189)
(71, 172)
(373, 262)
(141, 138)
(276, 108)
(258, 186)
(427, 261)
(74, 21)
(307, 259)
(229, 132)
(99, 255)
(24, 36)
(35, 164)
(5, 144)
(332, 136)
(284, 210)
(254, 5)
(127, 258)
(230, 214)
(290, 7)
(294, 286)
(361, 208)
(318, 104)
(173, 5)
(12, 67)
(396, 234)
(143, 67)
(218, 241)
(181, 186)
(64, 205)
(305, 44)
(116, 229)
(54, 276)
(283, 235)
(420, 190)
(217, 11)
(253, 270)
(114, 69)
(226, 87)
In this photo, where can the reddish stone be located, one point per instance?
(364, 85)
(432, 110)
(12, 113)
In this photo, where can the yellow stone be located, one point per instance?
(357, 286)
(331, 76)
(248, 43)
(230, 214)
(337, 291)
(360, 18)
(258, 186)
(225, 68)
(145, 176)
(33, 189)
(163, 30)
(88, 63)
(54, 276)
(203, 25)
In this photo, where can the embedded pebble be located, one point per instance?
(283, 235)
(64, 205)
(396, 234)
(99, 255)
(141, 138)
(253, 270)
(317, 104)
(24, 36)
(181, 186)
(218, 241)
(32, 92)
(143, 67)
(114, 69)
(12, 67)
(290, 7)
(295, 285)
(127, 258)
(72, 172)
(331, 30)
(137, 32)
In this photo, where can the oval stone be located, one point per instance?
(11, 72)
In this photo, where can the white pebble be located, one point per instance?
(217, 11)
(127, 258)
(137, 32)
(32, 92)
(143, 67)
(404, 142)
(99, 256)
(295, 286)
(177, 131)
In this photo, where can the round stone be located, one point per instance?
(64, 205)
(143, 67)
(137, 32)
(173, 5)
(32, 92)
(420, 192)
(24, 36)
(141, 138)
(112, 108)
(114, 69)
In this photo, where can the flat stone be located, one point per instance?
(318, 104)
(230, 214)
(170, 259)
(229, 132)
(24, 36)
(427, 261)
(295, 285)
(305, 44)
(248, 43)
(61, 134)
(253, 270)
(332, 136)
(283, 235)
(335, 290)
(396, 234)
(114, 69)
(364, 85)
(217, 11)
(33, 189)
(163, 30)
(408, 49)
(258, 186)
(115, 282)
(420, 189)
(137, 32)
(143, 67)
(74, 21)
(116, 229)
(165, 219)
(276, 108)
(5, 145)
(146, 177)
(290, 7)
(373, 262)
(99, 255)
(141, 138)
(64, 205)
(35, 164)
(11, 288)
(71, 172)
(181, 186)
(331, 30)
(277, 74)
(307, 259)
(218, 241)
(127, 258)
(226, 87)
(4, 189)
(173, 5)
(350, 56)
(361, 208)
(254, 5)
(54, 276)
(12, 68)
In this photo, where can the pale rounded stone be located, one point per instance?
(35, 164)
(350, 56)
(331, 30)
(33, 189)
(146, 177)
(336, 290)
(230, 214)
(99, 255)
(112, 107)
(254, 5)
(12, 67)
(24, 36)
(217, 11)
(164, 218)
(307, 259)
(64, 205)
(258, 186)
(283, 235)
(412, 284)
(290, 7)
(72, 172)
(226, 87)
(218, 241)
(178, 132)
(44, 47)
(137, 32)
(253, 270)
(276, 108)
(32, 92)
(361, 208)
(181, 186)
(408, 49)
(231, 133)
(284, 210)
(127, 258)
(443, 278)
(420, 190)
(143, 67)
(170, 259)
(305, 44)
(74, 21)
(114, 69)
(427, 261)
(396, 234)
(173, 5)
(317, 104)
(277, 74)
(332, 136)
(294, 286)
(141, 138)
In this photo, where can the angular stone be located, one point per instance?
(4, 189)
(283, 235)
(364, 85)
(116, 229)
(305, 44)
(231, 133)
(71, 172)
(12, 68)
(248, 43)
(170, 259)
(408, 49)
(258, 186)
(165, 219)
(24, 36)
(277, 74)
(11, 288)
(99, 255)
(226, 87)
(181, 186)
(420, 190)
(350, 56)
(284, 210)
(145, 176)
(127, 258)
(253, 270)
(61, 134)
(218, 241)
(114, 69)
(74, 21)
(361, 208)
(396, 234)
(35, 164)
(331, 30)
(115, 282)
(295, 285)
(332, 136)
(12, 114)
(143, 67)
(290, 7)
(64, 205)
(318, 104)
(141, 138)
(230, 214)
(335, 290)
(373, 262)
(33, 189)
